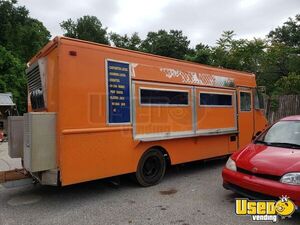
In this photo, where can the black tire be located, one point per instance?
(151, 168)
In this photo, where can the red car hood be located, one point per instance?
(268, 160)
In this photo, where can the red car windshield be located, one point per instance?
(282, 134)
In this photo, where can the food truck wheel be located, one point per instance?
(151, 168)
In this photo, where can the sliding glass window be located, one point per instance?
(215, 99)
(164, 97)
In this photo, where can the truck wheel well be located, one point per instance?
(164, 151)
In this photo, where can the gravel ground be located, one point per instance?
(189, 194)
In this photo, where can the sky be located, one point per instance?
(203, 21)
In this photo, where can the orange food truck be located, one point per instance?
(96, 111)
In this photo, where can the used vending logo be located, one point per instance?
(265, 210)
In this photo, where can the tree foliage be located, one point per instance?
(172, 44)
(288, 85)
(12, 78)
(19, 33)
(132, 42)
(282, 54)
(87, 28)
(201, 54)
(288, 34)
(20, 38)
(239, 54)
(271, 59)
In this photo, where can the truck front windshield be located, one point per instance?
(282, 134)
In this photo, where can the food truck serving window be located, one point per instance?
(214, 99)
(163, 97)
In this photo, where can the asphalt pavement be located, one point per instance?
(189, 194)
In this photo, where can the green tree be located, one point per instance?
(87, 28)
(284, 47)
(282, 54)
(252, 54)
(275, 65)
(132, 42)
(223, 52)
(19, 33)
(172, 44)
(12, 78)
(288, 34)
(20, 38)
(288, 85)
(201, 54)
(240, 54)
(226, 39)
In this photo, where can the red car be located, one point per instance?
(269, 167)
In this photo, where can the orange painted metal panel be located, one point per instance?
(189, 73)
(233, 144)
(90, 156)
(246, 121)
(213, 118)
(260, 120)
(196, 148)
